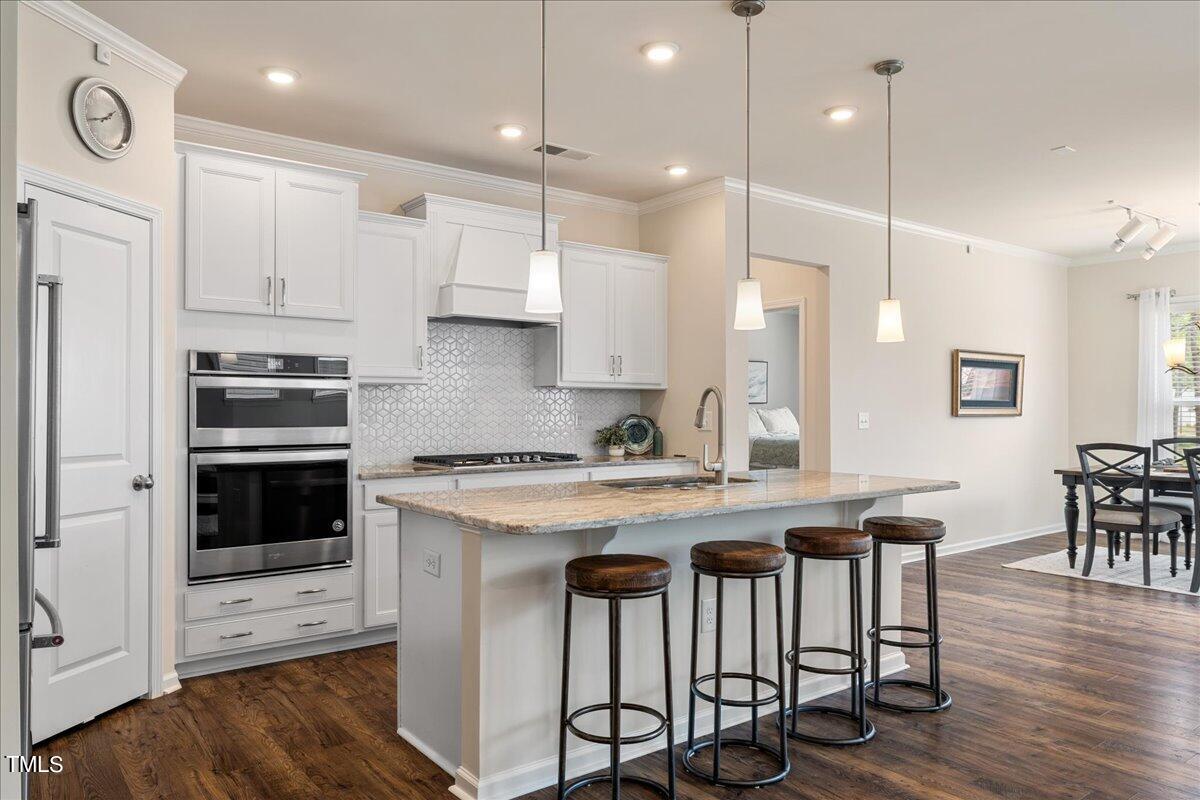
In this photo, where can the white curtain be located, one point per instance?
(1154, 403)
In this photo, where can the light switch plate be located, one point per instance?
(103, 53)
(864, 420)
(431, 562)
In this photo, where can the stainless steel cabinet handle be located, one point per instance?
(420, 357)
(311, 591)
(612, 365)
(236, 635)
(270, 295)
(55, 639)
(620, 366)
(53, 285)
(236, 601)
(311, 624)
(282, 292)
(143, 482)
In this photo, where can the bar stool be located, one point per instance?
(616, 578)
(831, 544)
(741, 561)
(907, 530)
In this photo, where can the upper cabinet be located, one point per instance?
(393, 264)
(268, 236)
(480, 256)
(613, 332)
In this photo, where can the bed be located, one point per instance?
(774, 438)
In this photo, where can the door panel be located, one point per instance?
(639, 310)
(99, 578)
(381, 575)
(229, 237)
(315, 231)
(391, 315)
(587, 344)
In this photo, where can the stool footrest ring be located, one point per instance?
(773, 697)
(857, 661)
(649, 784)
(928, 634)
(943, 700)
(636, 738)
(737, 742)
(832, 711)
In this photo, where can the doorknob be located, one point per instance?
(141, 482)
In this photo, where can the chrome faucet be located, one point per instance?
(720, 466)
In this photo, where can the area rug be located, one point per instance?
(1125, 573)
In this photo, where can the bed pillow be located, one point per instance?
(779, 420)
(756, 424)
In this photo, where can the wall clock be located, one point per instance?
(102, 118)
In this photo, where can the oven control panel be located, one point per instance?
(209, 362)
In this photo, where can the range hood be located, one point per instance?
(480, 258)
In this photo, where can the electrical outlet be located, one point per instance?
(103, 53)
(432, 563)
(864, 420)
(578, 421)
(708, 615)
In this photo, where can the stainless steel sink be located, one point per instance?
(683, 482)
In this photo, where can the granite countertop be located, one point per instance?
(574, 506)
(411, 470)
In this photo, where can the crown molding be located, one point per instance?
(368, 160)
(685, 195)
(1109, 257)
(91, 27)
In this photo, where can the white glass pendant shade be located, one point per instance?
(749, 313)
(891, 327)
(1176, 352)
(544, 295)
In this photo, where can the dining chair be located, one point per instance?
(1181, 502)
(1192, 458)
(1110, 470)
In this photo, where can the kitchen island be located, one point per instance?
(482, 601)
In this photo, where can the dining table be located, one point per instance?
(1169, 482)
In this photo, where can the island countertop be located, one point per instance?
(412, 470)
(575, 506)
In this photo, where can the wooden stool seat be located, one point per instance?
(905, 530)
(827, 542)
(617, 573)
(738, 557)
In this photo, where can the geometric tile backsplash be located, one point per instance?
(480, 397)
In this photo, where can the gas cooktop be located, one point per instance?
(487, 459)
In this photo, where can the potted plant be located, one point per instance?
(614, 438)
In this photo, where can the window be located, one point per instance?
(1185, 313)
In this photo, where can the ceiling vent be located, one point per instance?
(573, 153)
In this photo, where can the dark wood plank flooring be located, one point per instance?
(1062, 689)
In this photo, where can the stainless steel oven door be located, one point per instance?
(266, 511)
(267, 412)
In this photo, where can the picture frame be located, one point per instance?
(756, 382)
(986, 384)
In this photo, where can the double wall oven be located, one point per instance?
(269, 463)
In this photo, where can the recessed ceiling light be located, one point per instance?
(660, 52)
(511, 130)
(677, 170)
(281, 75)
(841, 113)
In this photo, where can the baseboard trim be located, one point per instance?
(271, 655)
(911, 554)
(588, 757)
(427, 751)
(170, 682)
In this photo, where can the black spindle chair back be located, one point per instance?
(1110, 470)
(1192, 458)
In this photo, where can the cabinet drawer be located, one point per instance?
(246, 597)
(643, 471)
(267, 628)
(372, 489)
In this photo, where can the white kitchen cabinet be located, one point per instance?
(392, 311)
(316, 220)
(613, 332)
(267, 236)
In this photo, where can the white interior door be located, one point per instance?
(99, 578)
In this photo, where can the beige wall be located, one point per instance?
(53, 59)
(783, 282)
(1103, 337)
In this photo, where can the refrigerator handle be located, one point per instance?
(53, 284)
(55, 639)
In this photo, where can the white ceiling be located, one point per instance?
(988, 89)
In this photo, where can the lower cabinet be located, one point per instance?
(273, 628)
(380, 567)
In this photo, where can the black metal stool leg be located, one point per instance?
(858, 701)
(717, 694)
(754, 658)
(876, 613)
(670, 715)
(935, 652)
(784, 765)
(566, 681)
(691, 729)
(614, 694)
(797, 606)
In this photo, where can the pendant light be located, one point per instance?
(544, 295)
(748, 315)
(891, 326)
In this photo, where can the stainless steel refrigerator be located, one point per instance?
(30, 284)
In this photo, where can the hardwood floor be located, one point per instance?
(1062, 689)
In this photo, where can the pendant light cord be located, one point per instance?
(889, 186)
(747, 148)
(543, 124)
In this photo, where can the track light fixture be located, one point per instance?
(1137, 223)
(1165, 233)
(1129, 231)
